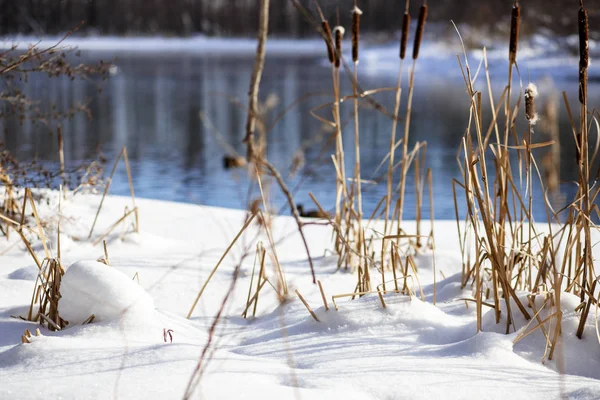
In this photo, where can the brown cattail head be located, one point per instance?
(404, 39)
(420, 29)
(584, 57)
(328, 41)
(60, 137)
(515, 23)
(339, 34)
(530, 94)
(356, 13)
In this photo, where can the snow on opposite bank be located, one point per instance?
(178, 45)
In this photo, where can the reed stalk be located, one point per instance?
(405, 165)
(588, 279)
(356, 14)
(403, 43)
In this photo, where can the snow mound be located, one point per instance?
(29, 273)
(90, 287)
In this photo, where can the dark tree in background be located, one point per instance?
(240, 17)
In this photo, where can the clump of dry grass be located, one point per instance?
(355, 240)
(511, 254)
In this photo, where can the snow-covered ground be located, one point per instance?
(410, 349)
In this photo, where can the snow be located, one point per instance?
(93, 288)
(539, 55)
(410, 349)
(172, 45)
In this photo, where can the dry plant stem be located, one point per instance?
(503, 152)
(105, 253)
(113, 226)
(342, 197)
(198, 371)
(106, 188)
(251, 122)
(259, 63)
(530, 203)
(312, 313)
(282, 280)
(357, 175)
(388, 201)
(323, 296)
(354, 294)
(432, 234)
(585, 205)
(61, 156)
(261, 273)
(405, 165)
(338, 231)
(273, 172)
(251, 280)
(30, 250)
(50, 322)
(341, 191)
(248, 222)
(38, 222)
(58, 252)
(130, 180)
(475, 193)
(254, 298)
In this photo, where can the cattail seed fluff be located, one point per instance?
(515, 23)
(328, 41)
(404, 39)
(420, 29)
(356, 13)
(530, 94)
(339, 34)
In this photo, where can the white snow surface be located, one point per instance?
(93, 288)
(152, 44)
(411, 349)
(539, 55)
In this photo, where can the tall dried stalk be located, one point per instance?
(405, 165)
(403, 43)
(585, 206)
(356, 13)
(61, 156)
(259, 63)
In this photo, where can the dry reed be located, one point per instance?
(312, 313)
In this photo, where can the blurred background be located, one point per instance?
(239, 17)
(179, 75)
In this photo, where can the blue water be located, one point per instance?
(153, 104)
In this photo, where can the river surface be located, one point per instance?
(153, 106)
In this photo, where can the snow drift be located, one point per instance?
(92, 288)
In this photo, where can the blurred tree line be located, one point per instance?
(240, 17)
